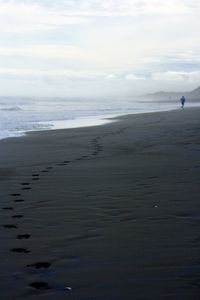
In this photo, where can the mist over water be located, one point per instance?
(20, 115)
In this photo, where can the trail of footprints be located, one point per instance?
(19, 197)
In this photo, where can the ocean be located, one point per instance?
(19, 115)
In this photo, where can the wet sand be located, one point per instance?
(107, 212)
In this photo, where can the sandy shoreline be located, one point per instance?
(111, 212)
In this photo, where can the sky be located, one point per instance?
(98, 47)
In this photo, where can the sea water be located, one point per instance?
(19, 115)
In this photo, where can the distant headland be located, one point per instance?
(193, 95)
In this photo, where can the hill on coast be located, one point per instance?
(193, 95)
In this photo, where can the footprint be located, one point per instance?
(8, 208)
(153, 177)
(23, 236)
(17, 216)
(35, 178)
(49, 168)
(40, 285)
(40, 265)
(44, 171)
(19, 200)
(20, 250)
(10, 226)
(15, 194)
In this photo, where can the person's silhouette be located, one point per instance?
(182, 101)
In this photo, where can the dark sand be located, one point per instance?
(109, 212)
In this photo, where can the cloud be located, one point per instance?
(32, 73)
(122, 7)
(134, 77)
(120, 43)
(47, 51)
(110, 77)
(18, 17)
(176, 76)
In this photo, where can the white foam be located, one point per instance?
(79, 122)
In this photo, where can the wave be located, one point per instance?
(12, 108)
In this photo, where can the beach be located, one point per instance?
(106, 212)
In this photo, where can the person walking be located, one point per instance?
(182, 101)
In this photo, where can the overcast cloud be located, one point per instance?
(93, 47)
